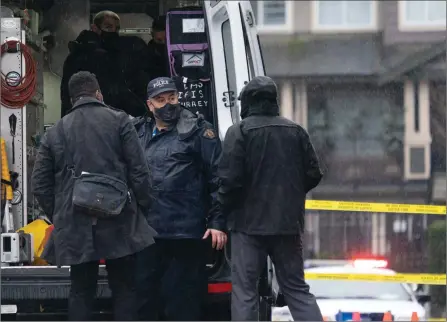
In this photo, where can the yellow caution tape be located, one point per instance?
(426, 279)
(375, 207)
(437, 319)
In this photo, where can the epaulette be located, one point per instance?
(208, 130)
(209, 133)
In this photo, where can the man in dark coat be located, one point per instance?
(120, 64)
(267, 167)
(158, 53)
(103, 140)
(182, 151)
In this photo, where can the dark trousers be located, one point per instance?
(172, 280)
(248, 259)
(121, 278)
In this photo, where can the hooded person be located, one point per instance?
(120, 64)
(268, 165)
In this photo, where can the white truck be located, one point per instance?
(41, 292)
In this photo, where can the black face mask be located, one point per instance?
(168, 114)
(159, 48)
(109, 38)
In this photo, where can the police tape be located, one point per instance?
(375, 207)
(426, 279)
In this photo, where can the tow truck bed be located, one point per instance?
(43, 283)
(41, 293)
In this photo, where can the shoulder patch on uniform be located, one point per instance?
(209, 134)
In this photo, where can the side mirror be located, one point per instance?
(418, 288)
(423, 298)
(414, 287)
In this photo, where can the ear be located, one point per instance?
(150, 106)
(95, 29)
(99, 96)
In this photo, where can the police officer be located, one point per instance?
(182, 152)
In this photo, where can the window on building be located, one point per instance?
(274, 14)
(356, 131)
(345, 15)
(359, 122)
(423, 13)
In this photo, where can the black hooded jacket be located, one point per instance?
(267, 166)
(121, 68)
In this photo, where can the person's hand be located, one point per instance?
(218, 238)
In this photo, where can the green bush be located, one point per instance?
(437, 260)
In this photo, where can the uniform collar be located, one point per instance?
(186, 126)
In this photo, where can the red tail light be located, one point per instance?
(214, 288)
(370, 263)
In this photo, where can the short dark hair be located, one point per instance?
(159, 24)
(83, 83)
(100, 16)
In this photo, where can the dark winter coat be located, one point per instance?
(158, 56)
(268, 165)
(101, 140)
(121, 70)
(183, 166)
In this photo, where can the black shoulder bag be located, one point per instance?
(95, 194)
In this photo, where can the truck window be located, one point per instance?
(231, 73)
(248, 54)
(253, 49)
(251, 68)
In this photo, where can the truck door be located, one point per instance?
(236, 58)
(251, 40)
(235, 52)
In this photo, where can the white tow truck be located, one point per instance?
(41, 292)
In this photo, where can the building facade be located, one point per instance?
(366, 78)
